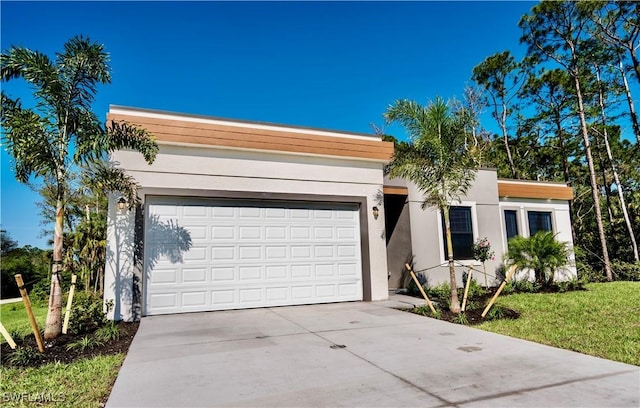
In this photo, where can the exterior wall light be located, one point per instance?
(122, 203)
(376, 212)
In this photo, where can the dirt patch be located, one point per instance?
(56, 350)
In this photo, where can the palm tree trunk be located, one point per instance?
(455, 303)
(592, 179)
(53, 326)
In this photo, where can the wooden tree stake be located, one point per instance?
(466, 289)
(7, 336)
(67, 313)
(415, 279)
(512, 270)
(27, 306)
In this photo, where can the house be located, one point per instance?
(496, 209)
(238, 214)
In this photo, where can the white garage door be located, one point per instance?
(213, 255)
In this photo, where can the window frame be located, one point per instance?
(549, 211)
(503, 222)
(474, 227)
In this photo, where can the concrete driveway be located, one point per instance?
(354, 355)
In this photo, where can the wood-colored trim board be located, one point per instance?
(175, 131)
(395, 190)
(531, 190)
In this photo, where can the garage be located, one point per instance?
(216, 254)
(236, 214)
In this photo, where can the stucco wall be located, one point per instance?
(561, 223)
(190, 171)
(426, 230)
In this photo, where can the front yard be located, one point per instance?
(603, 321)
(28, 378)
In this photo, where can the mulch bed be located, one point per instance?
(474, 316)
(56, 350)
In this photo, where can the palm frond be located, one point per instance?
(104, 177)
(28, 140)
(122, 135)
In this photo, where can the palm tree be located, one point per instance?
(61, 132)
(541, 253)
(441, 159)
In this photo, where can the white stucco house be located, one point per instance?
(238, 214)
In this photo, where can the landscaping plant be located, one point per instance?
(541, 253)
(441, 158)
(62, 133)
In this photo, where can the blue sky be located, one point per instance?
(333, 65)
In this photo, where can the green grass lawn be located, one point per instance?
(603, 321)
(84, 383)
(14, 318)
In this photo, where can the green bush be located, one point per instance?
(85, 343)
(460, 318)
(108, 332)
(526, 286)
(588, 274)
(475, 289)
(626, 271)
(572, 284)
(23, 356)
(425, 310)
(412, 288)
(86, 313)
(541, 253)
(496, 312)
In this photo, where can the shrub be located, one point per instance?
(85, 343)
(86, 313)
(108, 333)
(482, 250)
(626, 271)
(472, 305)
(475, 289)
(412, 288)
(460, 318)
(541, 253)
(23, 356)
(572, 284)
(441, 292)
(496, 312)
(526, 286)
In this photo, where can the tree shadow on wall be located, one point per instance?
(166, 238)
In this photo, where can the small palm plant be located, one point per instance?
(541, 253)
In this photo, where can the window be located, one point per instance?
(511, 223)
(461, 233)
(539, 221)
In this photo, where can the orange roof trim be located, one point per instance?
(173, 130)
(526, 189)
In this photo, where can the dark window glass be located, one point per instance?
(461, 233)
(511, 223)
(539, 221)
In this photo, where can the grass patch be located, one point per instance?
(602, 321)
(84, 383)
(14, 318)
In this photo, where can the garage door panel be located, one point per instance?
(245, 255)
